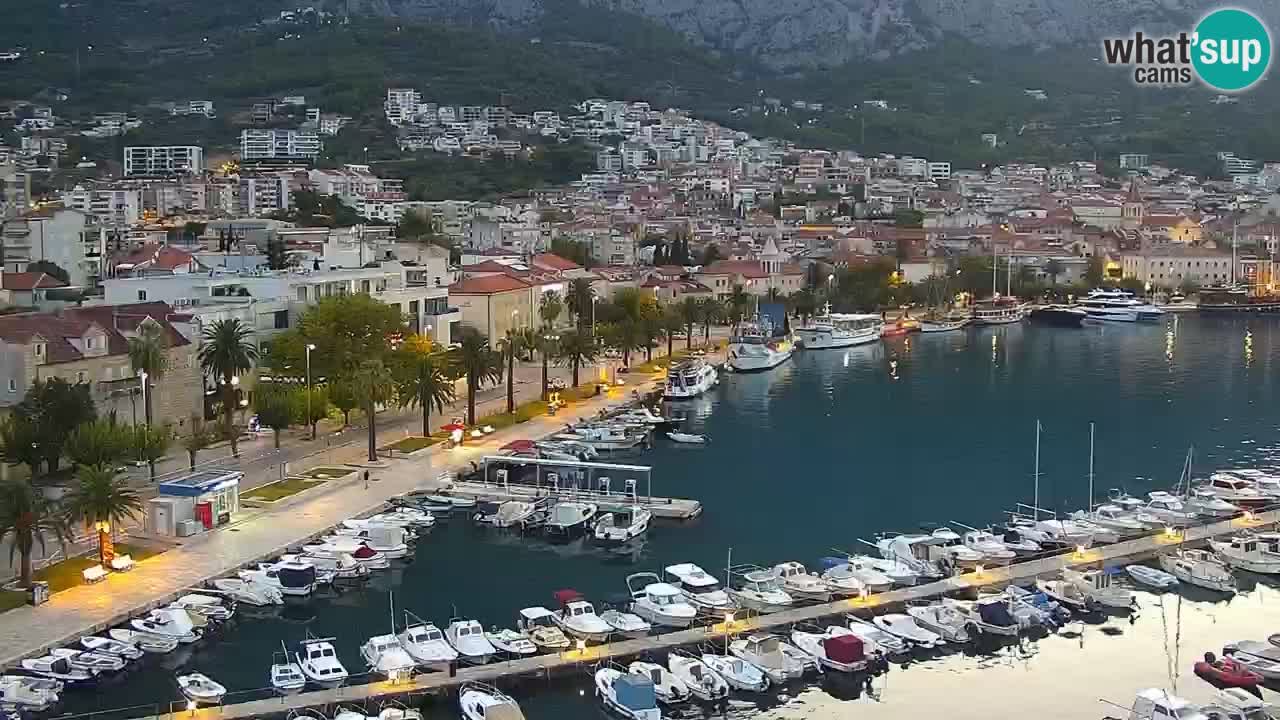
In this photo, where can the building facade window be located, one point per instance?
(142, 295)
(13, 385)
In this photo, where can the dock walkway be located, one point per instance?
(1130, 550)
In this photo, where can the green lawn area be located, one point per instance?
(534, 408)
(66, 574)
(410, 444)
(280, 489)
(327, 473)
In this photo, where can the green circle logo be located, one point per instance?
(1231, 49)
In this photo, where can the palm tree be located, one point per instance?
(737, 304)
(425, 380)
(101, 501)
(545, 341)
(149, 357)
(576, 349)
(550, 307)
(671, 323)
(579, 298)
(225, 353)
(712, 312)
(27, 515)
(690, 313)
(478, 363)
(373, 384)
(1053, 269)
(511, 345)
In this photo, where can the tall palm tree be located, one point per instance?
(545, 341)
(738, 303)
(373, 384)
(512, 344)
(225, 353)
(690, 312)
(576, 349)
(100, 500)
(579, 299)
(672, 322)
(478, 363)
(550, 307)
(712, 311)
(149, 353)
(27, 515)
(425, 380)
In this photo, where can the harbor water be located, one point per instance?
(838, 445)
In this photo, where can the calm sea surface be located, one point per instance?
(839, 445)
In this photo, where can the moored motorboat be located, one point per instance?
(55, 668)
(858, 566)
(761, 591)
(426, 643)
(570, 518)
(839, 330)
(201, 689)
(286, 675)
(689, 379)
(767, 652)
(740, 675)
(1098, 588)
(479, 701)
(1260, 657)
(33, 694)
(1256, 553)
(1151, 577)
(622, 526)
(873, 636)
(1059, 315)
(700, 588)
(687, 438)
(992, 615)
(467, 637)
(943, 620)
(319, 662)
(801, 584)
(906, 628)
(249, 592)
(631, 696)
(835, 648)
(578, 618)
(1226, 672)
(658, 602)
(1206, 504)
(92, 662)
(1066, 592)
(511, 642)
(668, 688)
(111, 646)
(626, 624)
(1200, 568)
(385, 656)
(144, 641)
(170, 623)
(540, 625)
(703, 683)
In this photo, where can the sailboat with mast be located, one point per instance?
(941, 315)
(999, 309)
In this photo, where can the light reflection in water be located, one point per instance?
(1248, 348)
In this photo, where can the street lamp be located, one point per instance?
(310, 420)
(594, 298)
(142, 376)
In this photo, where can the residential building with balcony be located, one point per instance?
(66, 237)
(163, 160)
(278, 144)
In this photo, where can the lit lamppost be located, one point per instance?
(142, 376)
(310, 420)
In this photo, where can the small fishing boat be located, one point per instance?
(631, 696)
(341, 566)
(835, 648)
(875, 637)
(1200, 568)
(700, 588)
(703, 683)
(146, 642)
(992, 615)
(801, 584)
(1206, 504)
(467, 637)
(319, 662)
(515, 514)
(941, 325)
(1169, 509)
(669, 689)
(1158, 704)
(540, 625)
(56, 668)
(1151, 577)
(643, 415)
(340, 545)
(836, 572)
(207, 605)
(778, 660)
(622, 526)
(249, 592)
(898, 571)
(568, 519)
(687, 438)
(993, 550)
(1066, 592)
(479, 701)
(286, 675)
(111, 646)
(29, 693)
(762, 591)
(388, 540)
(1226, 672)
(842, 580)
(1256, 553)
(738, 674)
(1099, 589)
(169, 623)
(1116, 519)
(626, 624)
(942, 620)
(426, 644)
(96, 663)
(578, 618)
(905, 627)
(385, 656)
(1034, 609)
(658, 602)
(510, 642)
(1238, 704)
(201, 689)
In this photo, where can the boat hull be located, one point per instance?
(811, 340)
(742, 360)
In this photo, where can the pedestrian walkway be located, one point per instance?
(92, 608)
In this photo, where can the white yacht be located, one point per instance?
(578, 618)
(603, 437)
(874, 637)
(755, 348)
(801, 584)
(1200, 568)
(690, 379)
(172, 623)
(201, 689)
(946, 543)
(992, 549)
(906, 628)
(511, 643)
(55, 668)
(1169, 509)
(484, 702)
(540, 625)
(622, 526)
(762, 592)
(336, 546)
(941, 619)
(839, 330)
(1256, 553)
(1119, 306)
(738, 674)
(631, 696)
(29, 693)
(704, 683)
(340, 565)
(570, 518)
(209, 606)
(296, 578)
(1116, 519)
(1099, 589)
(319, 662)
(700, 588)
(860, 567)
(998, 311)
(658, 602)
(514, 513)
(93, 662)
(250, 592)
(1237, 491)
(426, 644)
(110, 646)
(1157, 704)
(467, 637)
(1204, 503)
(144, 641)
(388, 540)
(387, 657)
(835, 648)
(778, 660)
(626, 624)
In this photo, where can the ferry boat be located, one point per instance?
(839, 330)
(998, 311)
(1119, 306)
(690, 379)
(755, 348)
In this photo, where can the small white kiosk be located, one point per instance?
(196, 502)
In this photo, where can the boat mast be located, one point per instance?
(1235, 223)
(1090, 468)
(994, 264)
(1008, 275)
(1035, 504)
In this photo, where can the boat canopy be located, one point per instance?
(996, 614)
(564, 597)
(827, 563)
(635, 692)
(844, 648)
(364, 552)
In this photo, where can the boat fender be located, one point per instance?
(973, 630)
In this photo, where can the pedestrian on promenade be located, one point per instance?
(366, 479)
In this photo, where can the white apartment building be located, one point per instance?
(913, 167)
(401, 105)
(68, 238)
(1134, 161)
(387, 207)
(277, 144)
(263, 194)
(193, 107)
(614, 248)
(939, 171)
(112, 207)
(163, 159)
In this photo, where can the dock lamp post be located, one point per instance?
(142, 377)
(728, 624)
(310, 420)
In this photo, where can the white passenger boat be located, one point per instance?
(603, 437)
(761, 590)
(839, 330)
(319, 662)
(338, 545)
(55, 668)
(835, 648)
(484, 702)
(295, 577)
(754, 347)
(467, 637)
(689, 379)
(669, 689)
(96, 663)
(145, 641)
(111, 646)
(250, 592)
(1115, 305)
(658, 602)
(998, 311)
(700, 588)
(943, 620)
(169, 623)
(1151, 577)
(426, 644)
(570, 518)
(29, 693)
(704, 683)
(286, 675)
(906, 627)
(511, 642)
(1200, 568)
(631, 696)
(385, 656)
(877, 638)
(740, 675)
(578, 618)
(540, 625)
(994, 552)
(622, 526)
(778, 660)
(388, 540)
(626, 624)
(1099, 588)
(1258, 553)
(801, 584)
(945, 543)
(201, 688)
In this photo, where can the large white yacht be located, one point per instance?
(838, 330)
(690, 379)
(1119, 306)
(754, 347)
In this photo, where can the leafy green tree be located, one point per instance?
(711, 254)
(150, 443)
(477, 362)
(100, 500)
(711, 312)
(374, 385)
(691, 313)
(1053, 269)
(21, 443)
(579, 298)
(310, 406)
(804, 303)
(342, 394)
(416, 226)
(1094, 273)
(550, 306)
(226, 352)
(310, 209)
(51, 269)
(199, 438)
(423, 379)
(51, 407)
(577, 348)
(345, 330)
(149, 353)
(672, 322)
(275, 410)
(737, 304)
(98, 442)
(277, 258)
(27, 517)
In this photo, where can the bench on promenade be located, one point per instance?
(94, 574)
(121, 563)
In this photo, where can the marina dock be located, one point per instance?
(544, 665)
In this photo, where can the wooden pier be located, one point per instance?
(543, 665)
(669, 508)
